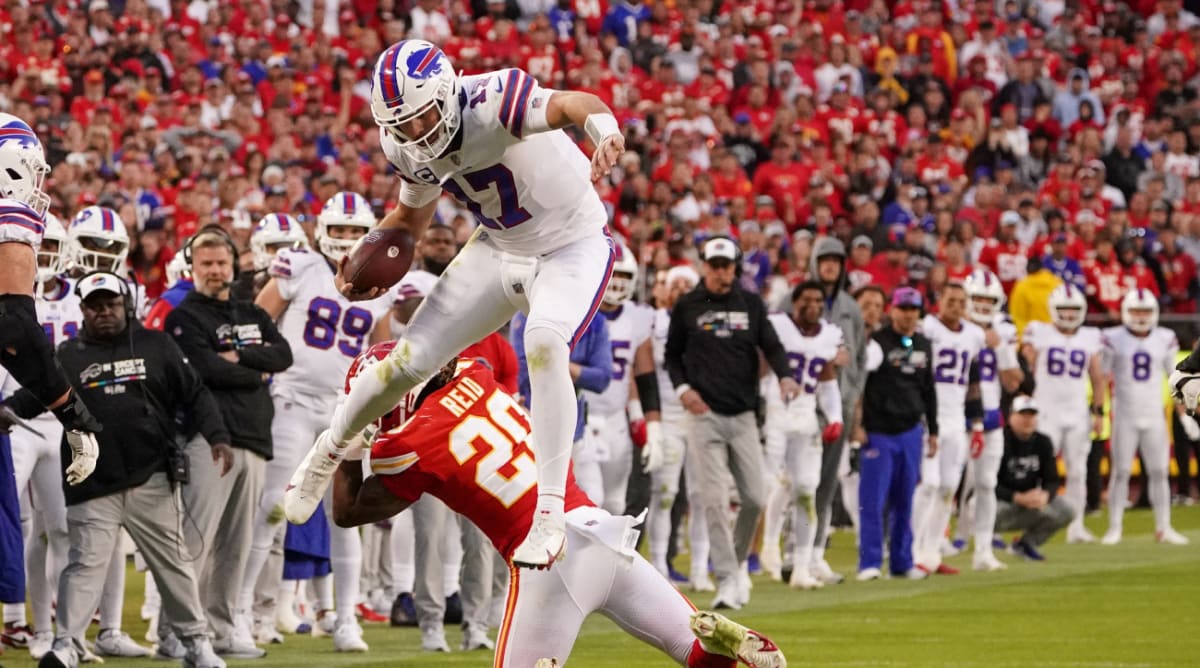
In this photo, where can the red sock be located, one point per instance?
(698, 658)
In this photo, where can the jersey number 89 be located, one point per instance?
(325, 318)
(498, 434)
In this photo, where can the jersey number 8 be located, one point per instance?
(498, 472)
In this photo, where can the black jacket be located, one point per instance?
(1026, 465)
(900, 392)
(134, 385)
(713, 343)
(204, 327)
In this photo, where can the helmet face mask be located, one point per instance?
(1139, 311)
(1068, 307)
(413, 78)
(343, 210)
(622, 284)
(23, 167)
(273, 233)
(97, 241)
(51, 259)
(985, 297)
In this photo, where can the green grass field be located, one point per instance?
(1137, 604)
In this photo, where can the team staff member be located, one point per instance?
(235, 347)
(135, 380)
(1028, 483)
(713, 342)
(899, 393)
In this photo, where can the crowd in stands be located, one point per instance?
(928, 136)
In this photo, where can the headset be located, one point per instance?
(123, 289)
(219, 231)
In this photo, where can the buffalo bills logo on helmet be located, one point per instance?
(425, 63)
(19, 132)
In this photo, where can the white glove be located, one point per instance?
(84, 451)
(1190, 427)
(1185, 387)
(653, 452)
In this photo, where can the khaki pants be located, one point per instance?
(150, 513)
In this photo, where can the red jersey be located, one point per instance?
(1106, 284)
(498, 353)
(468, 445)
(1006, 259)
(1179, 271)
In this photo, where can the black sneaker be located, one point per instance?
(1027, 551)
(454, 611)
(404, 611)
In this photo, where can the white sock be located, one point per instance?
(452, 555)
(404, 568)
(554, 409)
(346, 559)
(1160, 499)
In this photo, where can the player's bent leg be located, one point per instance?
(541, 620)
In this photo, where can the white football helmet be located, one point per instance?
(23, 167)
(97, 241)
(51, 255)
(344, 208)
(1139, 311)
(985, 296)
(623, 282)
(1068, 307)
(274, 232)
(178, 269)
(411, 77)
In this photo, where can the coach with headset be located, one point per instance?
(711, 356)
(235, 348)
(135, 381)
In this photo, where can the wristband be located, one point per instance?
(1098, 411)
(977, 427)
(601, 126)
(634, 410)
(682, 389)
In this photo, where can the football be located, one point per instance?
(379, 259)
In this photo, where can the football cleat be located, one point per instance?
(475, 637)
(987, 562)
(720, 635)
(701, 582)
(370, 616)
(1170, 536)
(1078, 534)
(310, 480)
(348, 638)
(1027, 551)
(916, 573)
(433, 639)
(825, 573)
(868, 574)
(1111, 537)
(545, 543)
(16, 635)
(112, 642)
(40, 644)
(728, 595)
(802, 579)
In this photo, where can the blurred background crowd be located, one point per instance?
(928, 136)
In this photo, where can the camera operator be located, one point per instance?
(235, 348)
(135, 380)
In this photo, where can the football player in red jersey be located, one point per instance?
(462, 438)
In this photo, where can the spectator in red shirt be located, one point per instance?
(1005, 255)
(889, 269)
(1179, 272)
(1105, 278)
(858, 267)
(784, 179)
(1136, 273)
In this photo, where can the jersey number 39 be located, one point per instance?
(498, 472)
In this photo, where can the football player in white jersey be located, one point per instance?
(1140, 354)
(495, 142)
(664, 480)
(999, 369)
(25, 351)
(36, 460)
(811, 343)
(629, 329)
(327, 331)
(275, 232)
(956, 346)
(1065, 356)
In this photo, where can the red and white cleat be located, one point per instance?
(720, 635)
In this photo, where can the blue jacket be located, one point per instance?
(593, 352)
(622, 20)
(1066, 269)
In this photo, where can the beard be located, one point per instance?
(433, 266)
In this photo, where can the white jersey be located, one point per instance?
(20, 223)
(326, 330)
(989, 364)
(1139, 365)
(953, 353)
(58, 312)
(808, 356)
(671, 407)
(1061, 374)
(628, 328)
(531, 189)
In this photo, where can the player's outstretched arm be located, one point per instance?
(357, 501)
(590, 113)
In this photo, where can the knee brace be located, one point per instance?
(26, 352)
